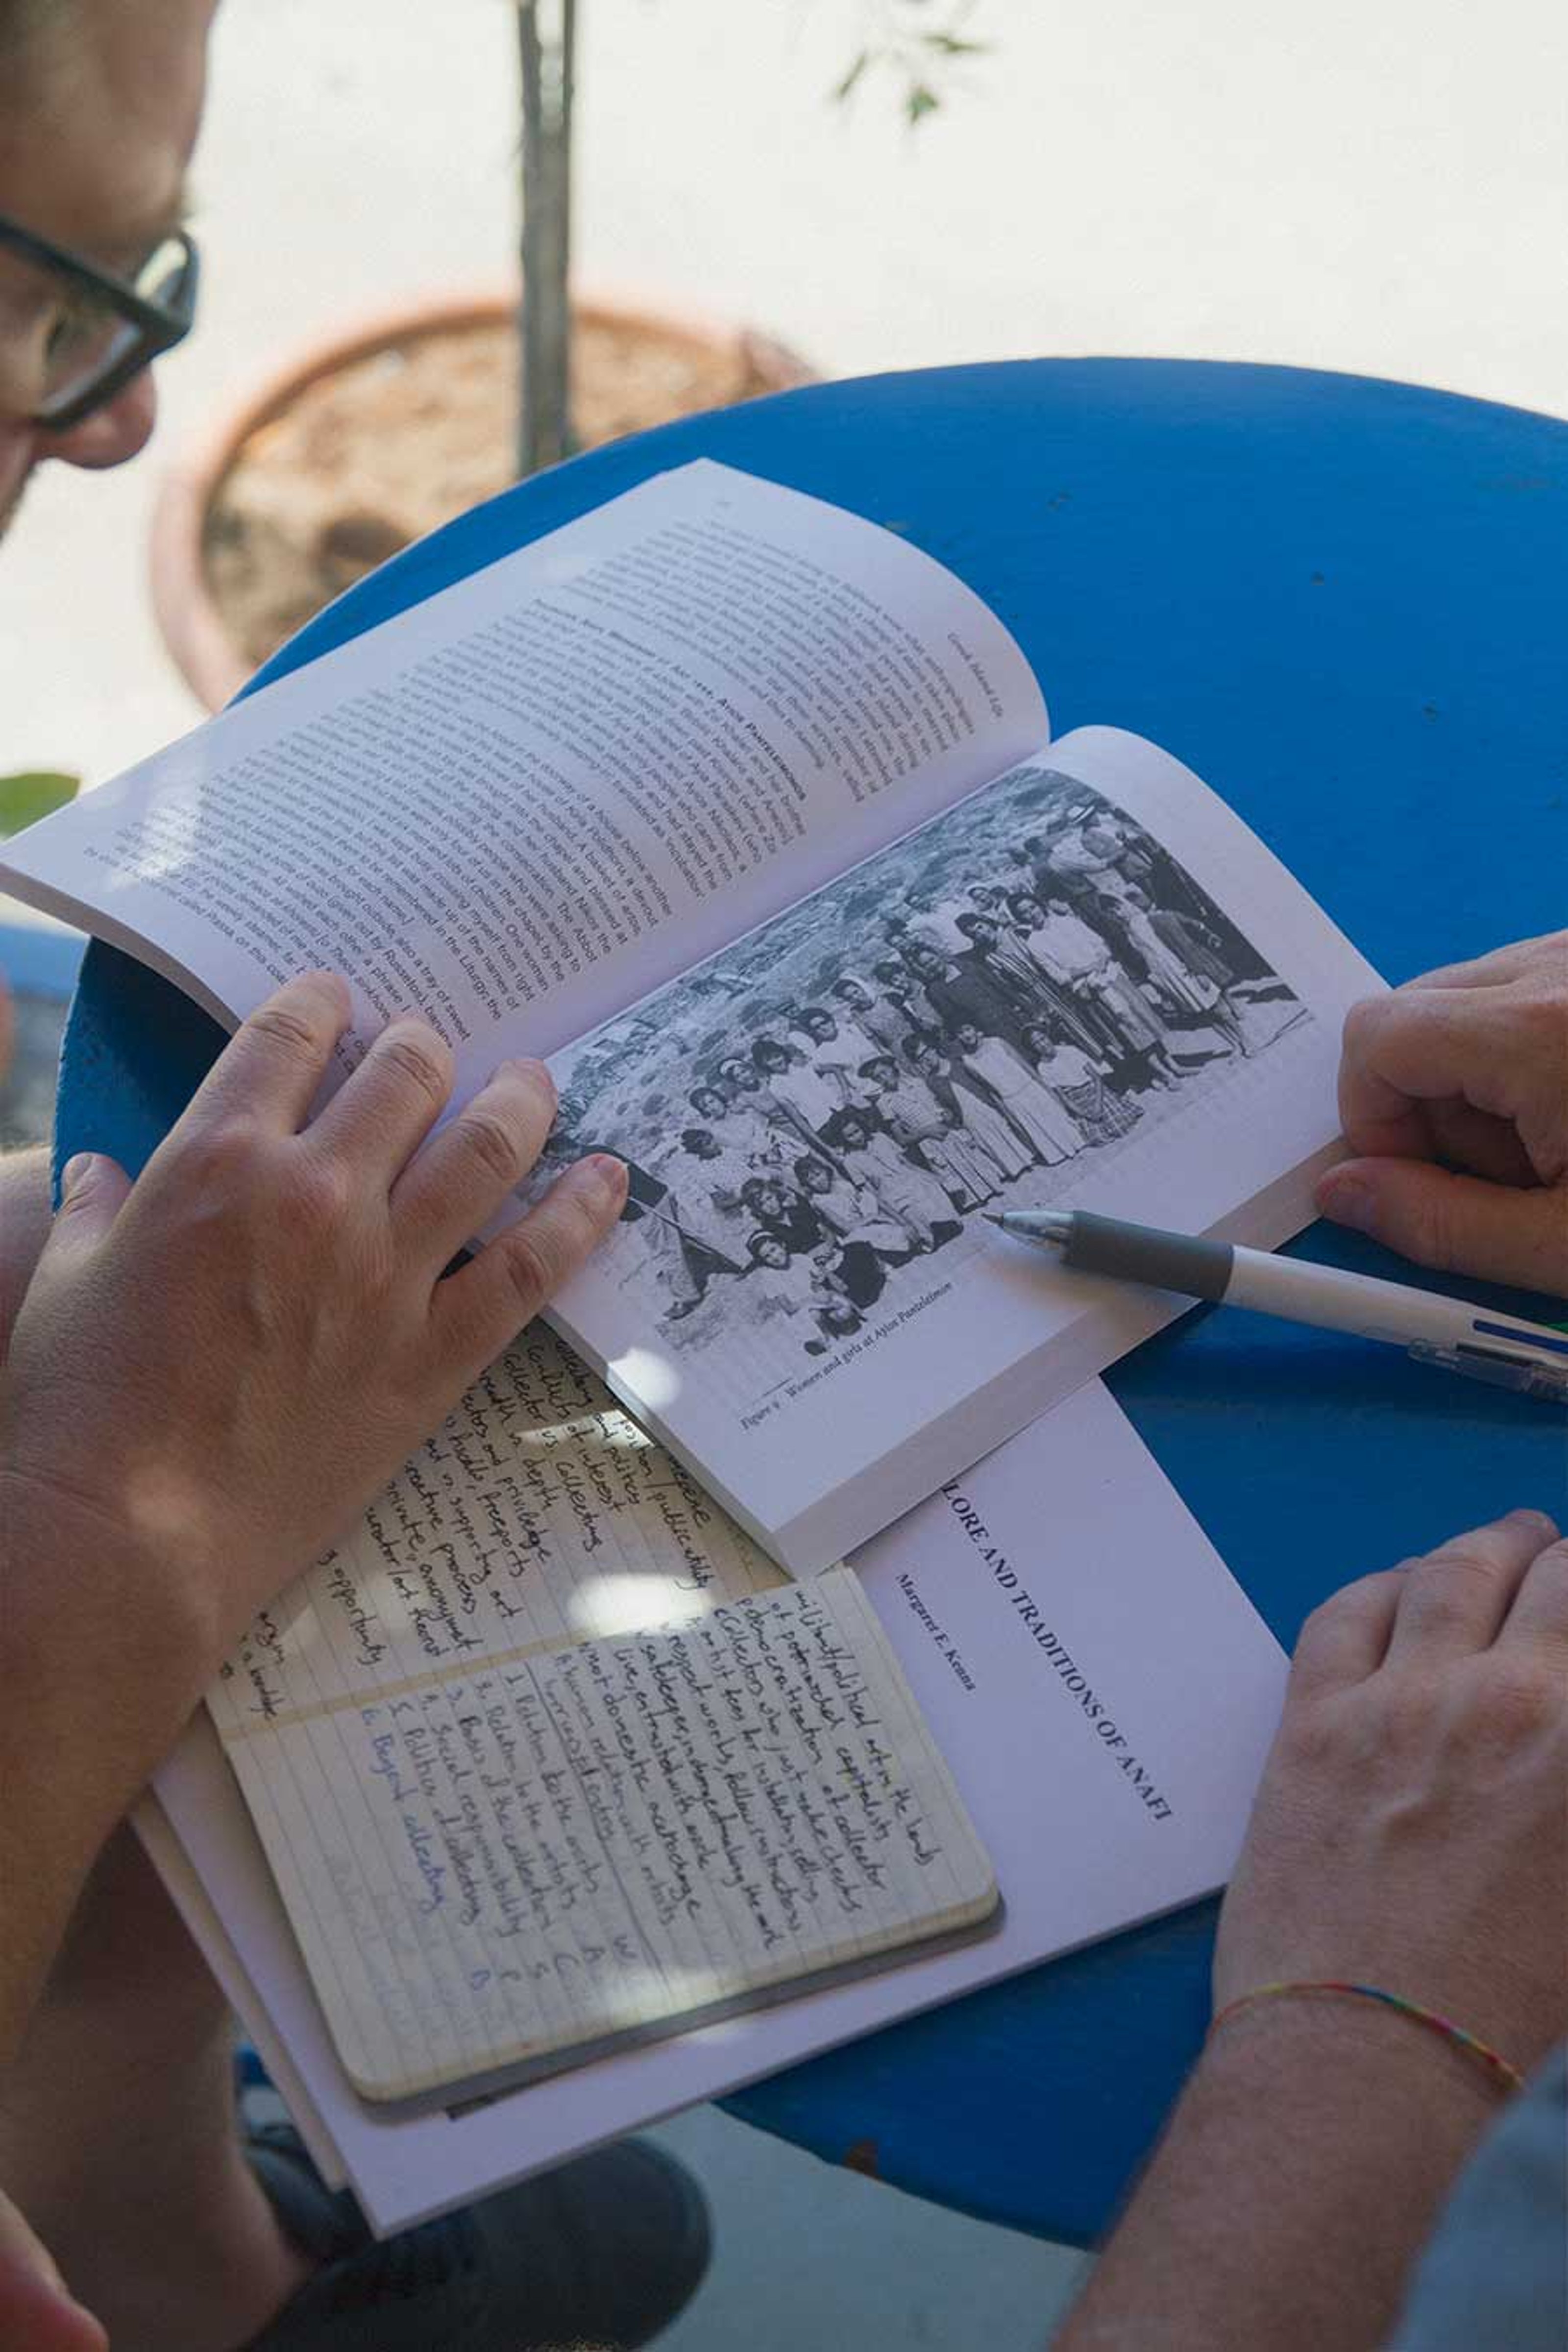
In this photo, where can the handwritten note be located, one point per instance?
(558, 1849)
(540, 1515)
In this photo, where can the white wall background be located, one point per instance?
(1376, 188)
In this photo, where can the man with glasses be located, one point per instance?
(182, 2230)
(97, 275)
(104, 331)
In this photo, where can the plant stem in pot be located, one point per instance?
(546, 31)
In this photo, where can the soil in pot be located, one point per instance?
(386, 449)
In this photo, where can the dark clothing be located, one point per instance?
(857, 1266)
(974, 990)
(862, 1273)
(1194, 943)
(799, 1228)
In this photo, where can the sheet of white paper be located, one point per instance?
(817, 1422)
(1063, 1570)
(224, 1957)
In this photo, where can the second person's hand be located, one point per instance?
(1453, 1097)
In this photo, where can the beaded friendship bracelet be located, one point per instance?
(1507, 2077)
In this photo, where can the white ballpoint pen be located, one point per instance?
(1450, 1332)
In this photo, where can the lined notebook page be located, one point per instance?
(518, 1858)
(541, 1514)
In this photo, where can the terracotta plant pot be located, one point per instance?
(194, 522)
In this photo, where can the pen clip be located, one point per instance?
(1499, 1371)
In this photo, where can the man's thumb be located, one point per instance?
(92, 1188)
(1500, 1232)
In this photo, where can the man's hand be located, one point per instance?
(1409, 1832)
(1454, 1094)
(214, 1368)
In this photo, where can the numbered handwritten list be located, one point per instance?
(511, 1861)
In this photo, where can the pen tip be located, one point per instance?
(994, 1217)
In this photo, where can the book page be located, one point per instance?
(525, 802)
(1062, 1587)
(527, 1853)
(1087, 983)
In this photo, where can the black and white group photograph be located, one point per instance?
(967, 1020)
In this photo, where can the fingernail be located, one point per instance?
(522, 1066)
(610, 1173)
(76, 1171)
(1349, 1204)
(1526, 1519)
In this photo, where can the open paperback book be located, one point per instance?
(746, 814)
(1101, 1690)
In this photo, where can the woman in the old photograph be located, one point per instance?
(836, 1046)
(1039, 1119)
(1080, 957)
(797, 1088)
(1184, 965)
(689, 1245)
(710, 1177)
(735, 1125)
(762, 1126)
(984, 1121)
(904, 978)
(968, 1151)
(775, 1207)
(1057, 1002)
(927, 1128)
(882, 1019)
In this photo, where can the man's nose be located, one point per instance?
(112, 433)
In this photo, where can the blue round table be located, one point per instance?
(1345, 603)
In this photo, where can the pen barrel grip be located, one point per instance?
(1201, 1269)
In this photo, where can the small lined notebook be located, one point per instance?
(521, 1861)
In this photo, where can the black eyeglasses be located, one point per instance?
(111, 328)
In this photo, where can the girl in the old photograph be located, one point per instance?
(910, 1110)
(790, 1286)
(855, 1213)
(908, 1193)
(1080, 1085)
